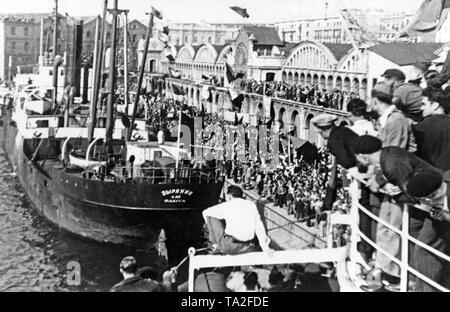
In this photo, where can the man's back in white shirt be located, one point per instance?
(242, 220)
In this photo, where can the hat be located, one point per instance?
(410, 96)
(366, 145)
(383, 90)
(128, 264)
(415, 74)
(324, 120)
(424, 184)
(394, 73)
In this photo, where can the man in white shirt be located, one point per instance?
(242, 224)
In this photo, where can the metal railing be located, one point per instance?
(165, 175)
(197, 262)
(405, 238)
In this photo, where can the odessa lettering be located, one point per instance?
(232, 142)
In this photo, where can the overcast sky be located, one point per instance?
(260, 11)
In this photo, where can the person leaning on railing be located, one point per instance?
(394, 167)
(432, 191)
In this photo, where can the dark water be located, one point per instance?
(34, 253)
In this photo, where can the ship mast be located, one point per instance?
(55, 47)
(141, 73)
(55, 32)
(125, 60)
(97, 75)
(96, 64)
(112, 74)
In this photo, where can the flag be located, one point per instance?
(231, 76)
(236, 100)
(238, 121)
(174, 73)
(156, 13)
(177, 90)
(241, 11)
(267, 100)
(164, 38)
(206, 95)
(166, 30)
(170, 55)
(429, 18)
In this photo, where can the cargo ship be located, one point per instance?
(98, 182)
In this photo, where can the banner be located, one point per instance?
(267, 101)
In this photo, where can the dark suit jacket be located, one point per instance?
(340, 145)
(433, 141)
(137, 284)
(398, 165)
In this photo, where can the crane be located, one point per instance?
(359, 36)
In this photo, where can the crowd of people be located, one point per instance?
(309, 94)
(400, 155)
(402, 161)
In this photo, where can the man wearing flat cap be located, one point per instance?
(395, 128)
(340, 140)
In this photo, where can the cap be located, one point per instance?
(383, 88)
(415, 74)
(324, 120)
(410, 96)
(394, 73)
(128, 264)
(424, 184)
(366, 145)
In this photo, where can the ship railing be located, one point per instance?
(164, 175)
(405, 238)
(197, 262)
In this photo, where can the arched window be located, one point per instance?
(133, 38)
(13, 30)
(25, 31)
(26, 46)
(13, 45)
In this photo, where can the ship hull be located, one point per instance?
(128, 214)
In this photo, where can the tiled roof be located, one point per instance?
(264, 35)
(403, 53)
(339, 50)
(218, 48)
(288, 47)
